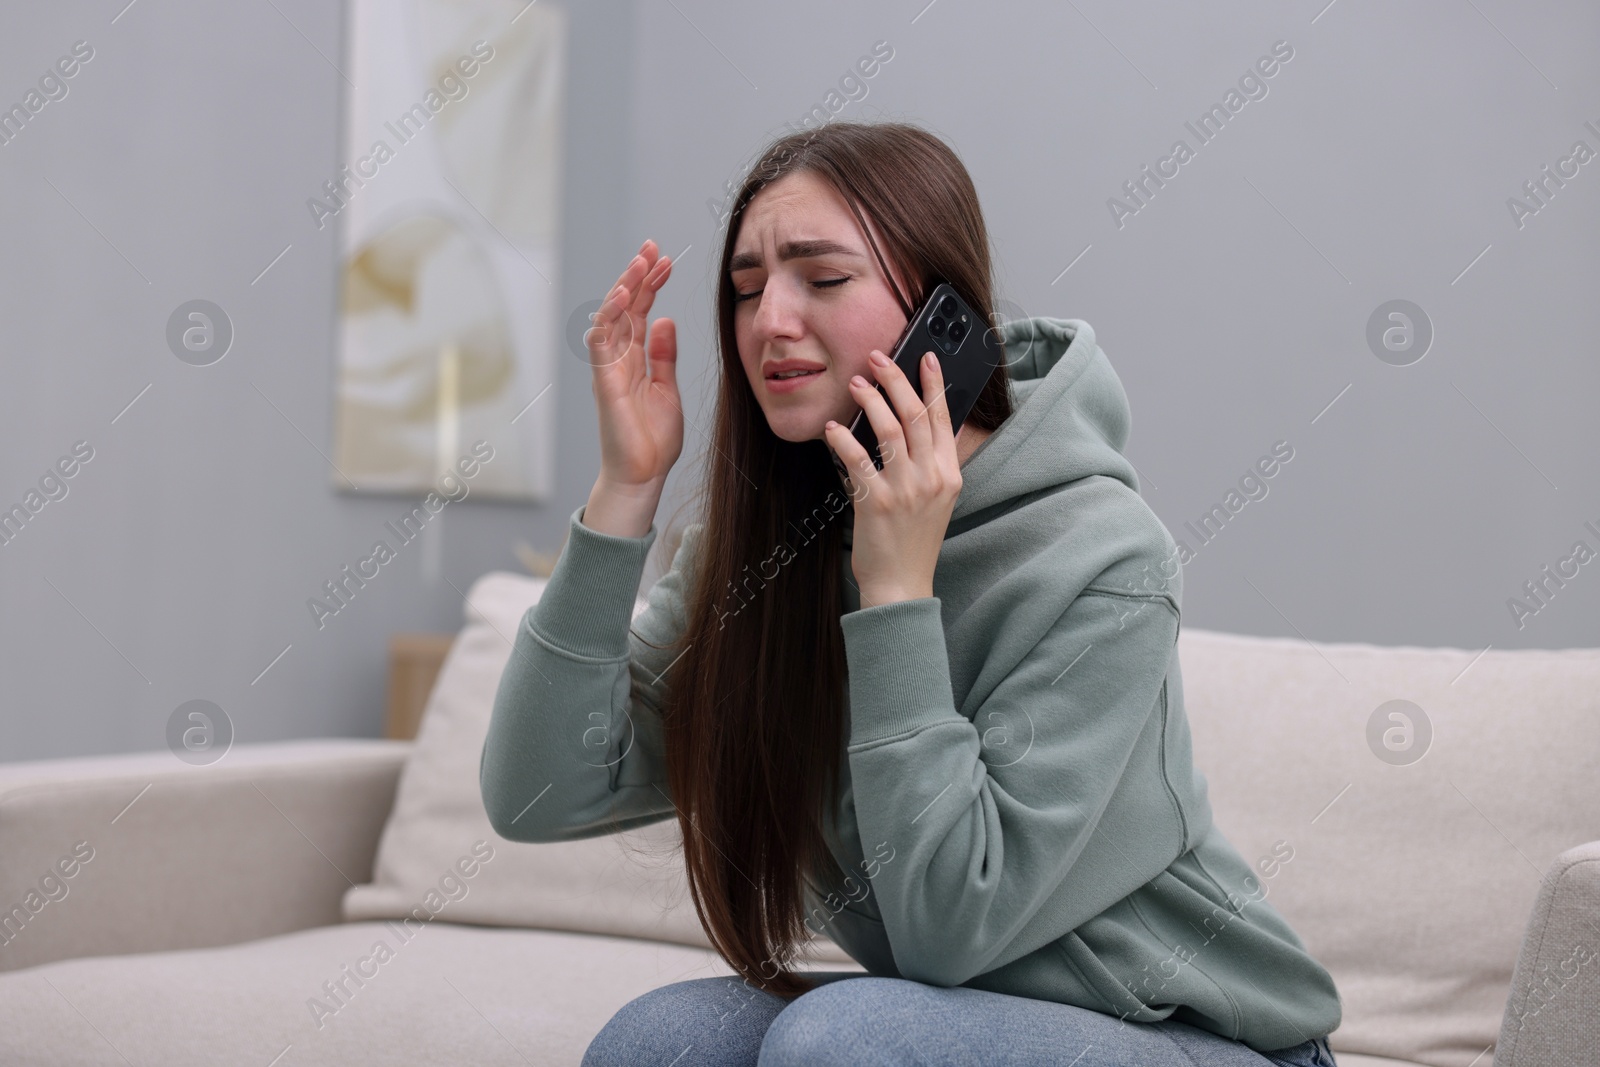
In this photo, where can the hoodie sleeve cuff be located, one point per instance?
(899, 669)
(588, 603)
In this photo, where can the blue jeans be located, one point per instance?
(858, 1019)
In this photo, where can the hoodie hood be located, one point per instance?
(1069, 419)
(1049, 498)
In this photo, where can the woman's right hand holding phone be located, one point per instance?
(641, 414)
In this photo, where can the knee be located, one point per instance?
(620, 1040)
(637, 1026)
(818, 1027)
(709, 1014)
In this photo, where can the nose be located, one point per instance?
(777, 312)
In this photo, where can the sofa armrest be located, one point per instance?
(138, 853)
(1550, 1018)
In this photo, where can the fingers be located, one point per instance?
(924, 433)
(634, 292)
(636, 287)
(653, 280)
(616, 301)
(609, 336)
(639, 266)
(885, 425)
(907, 405)
(663, 351)
(938, 410)
(851, 454)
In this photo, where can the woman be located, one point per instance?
(933, 711)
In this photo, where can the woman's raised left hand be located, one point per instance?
(903, 510)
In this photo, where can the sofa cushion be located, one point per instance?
(629, 884)
(1410, 879)
(435, 993)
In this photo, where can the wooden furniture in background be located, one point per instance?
(414, 662)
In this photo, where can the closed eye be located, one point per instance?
(825, 283)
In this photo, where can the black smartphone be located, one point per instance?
(968, 352)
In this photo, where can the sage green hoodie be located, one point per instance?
(1019, 810)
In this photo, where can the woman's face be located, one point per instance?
(808, 295)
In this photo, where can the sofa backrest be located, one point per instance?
(629, 885)
(1401, 805)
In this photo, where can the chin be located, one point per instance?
(796, 425)
(795, 429)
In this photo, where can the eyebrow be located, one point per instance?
(793, 250)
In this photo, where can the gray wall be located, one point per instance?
(1234, 305)
(179, 563)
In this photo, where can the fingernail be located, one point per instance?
(857, 379)
(879, 358)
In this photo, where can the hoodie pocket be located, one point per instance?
(1119, 999)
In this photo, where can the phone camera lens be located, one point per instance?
(958, 330)
(936, 326)
(947, 307)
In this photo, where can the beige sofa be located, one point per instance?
(157, 912)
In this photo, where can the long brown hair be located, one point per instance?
(753, 717)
